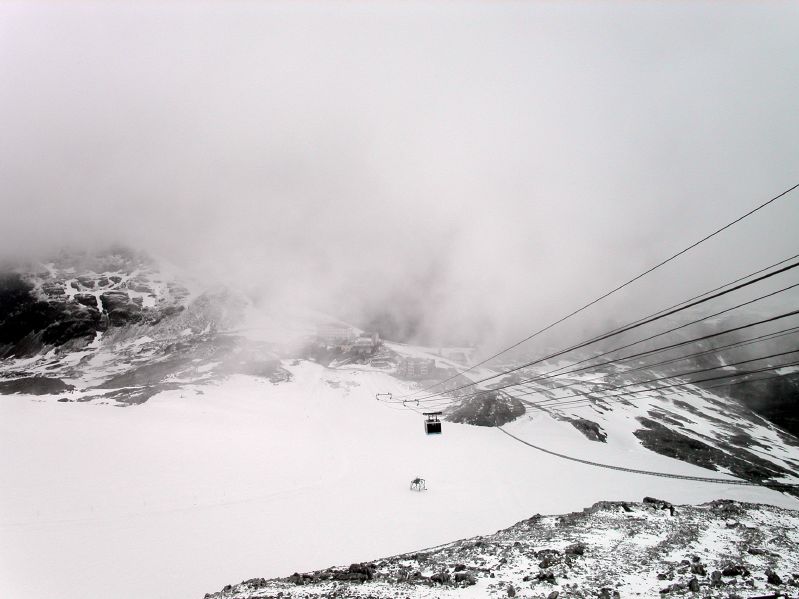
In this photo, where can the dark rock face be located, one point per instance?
(489, 408)
(775, 400)
(665, 441)
(120, 308)
(75, 296)
(27, 323)
(590, 429)
(86, 299)
(34, 385)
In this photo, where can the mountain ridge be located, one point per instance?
(609, 550)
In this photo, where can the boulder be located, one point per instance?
(365, 570)
(466, 578)
(772, 577)
(715, 578)
(546, 576)
(734, 570)
(575, 549)
(86, 299)
(698, 569)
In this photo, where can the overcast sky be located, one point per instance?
(496, 163)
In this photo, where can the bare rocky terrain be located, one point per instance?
(116, 327)
(611, 549)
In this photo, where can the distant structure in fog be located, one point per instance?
(334, 334)
(416, 368)
(366, 344)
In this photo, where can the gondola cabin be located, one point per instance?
(432, 425)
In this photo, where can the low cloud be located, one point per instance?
(471, 170)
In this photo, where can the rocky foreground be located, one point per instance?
(612, 549)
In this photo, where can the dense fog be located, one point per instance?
(469, 171)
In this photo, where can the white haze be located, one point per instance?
(481, 167)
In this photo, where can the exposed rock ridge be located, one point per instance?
(612, 549)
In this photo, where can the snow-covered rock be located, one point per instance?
(612, 549)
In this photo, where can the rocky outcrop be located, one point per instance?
(606, 551)
(68, 300)
(34, 385)
(29, 323)
(589, 428)
(774, 399)
(487, 408)
(674, 444)
(120, 308)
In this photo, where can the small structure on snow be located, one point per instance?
(334, 334)
(416, 368)
(366, 344)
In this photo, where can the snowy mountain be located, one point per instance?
(253, 444)
(119, 326)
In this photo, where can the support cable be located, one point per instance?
(618, 288)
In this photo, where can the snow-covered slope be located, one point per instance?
(209, 484)
(688, 423)
(248, 449)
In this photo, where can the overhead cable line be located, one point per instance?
(610, 398)
(704, 293)
(548, 375)
(660, 378)
(554, 372)
(713, 350)
(614, 290)
(561, 371)
(587, 403)
(670, 308)
(677, 305)
(631, 327)
(560, 400)
(704, 479)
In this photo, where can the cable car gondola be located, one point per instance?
(432, 425)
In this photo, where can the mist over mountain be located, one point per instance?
(285, 285)
(465, 187)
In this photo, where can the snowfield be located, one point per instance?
(214, 484)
